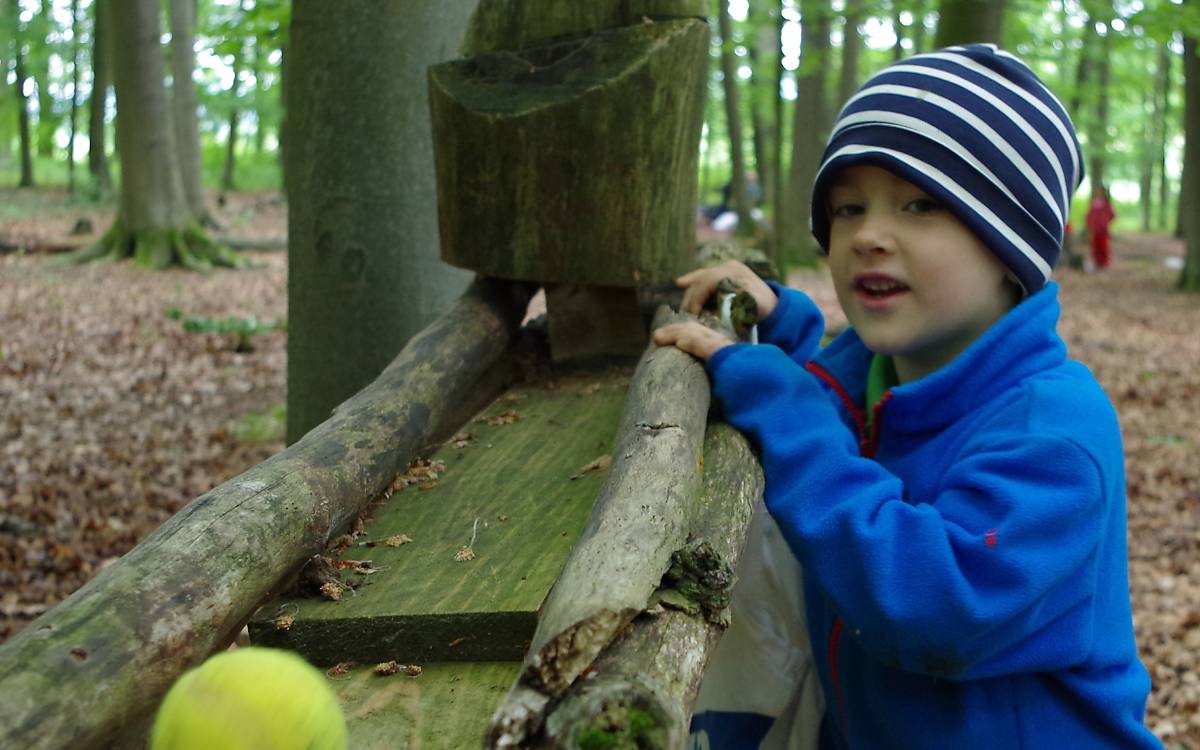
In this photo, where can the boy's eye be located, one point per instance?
(923, 206)
(846, 210)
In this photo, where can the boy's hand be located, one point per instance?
(700, 284)
(693, 338)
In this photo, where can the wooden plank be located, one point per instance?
(510, 486)
(446, 706)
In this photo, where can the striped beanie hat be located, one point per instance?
(974, 128)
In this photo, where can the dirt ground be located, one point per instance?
(112, 415)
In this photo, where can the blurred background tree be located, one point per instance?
(1118, 65)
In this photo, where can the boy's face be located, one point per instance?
(914, 282)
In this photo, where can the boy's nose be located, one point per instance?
(873, 235)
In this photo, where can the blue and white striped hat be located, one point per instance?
(974, 128)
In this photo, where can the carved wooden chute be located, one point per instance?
(566, 152)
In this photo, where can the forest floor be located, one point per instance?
(113, 416)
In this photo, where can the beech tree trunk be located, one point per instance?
(1164, 130)
(739, 195)
(74, 111)
(852, 45)
(969, 21)
(1189, 278)
(778, 193)
(185, 105)
(22, 100)
(38, 68)
(1098, 126)
(811, 125)
(101, 78)
(90, 671)
(364, 273)
(154, 225)
(227, 182)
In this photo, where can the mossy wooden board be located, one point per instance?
(511, 485)
(446, 706)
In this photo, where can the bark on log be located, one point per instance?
(99, 662)
(641, 517)
(643, 687)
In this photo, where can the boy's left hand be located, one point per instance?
(693, 338)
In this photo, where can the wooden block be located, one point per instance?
(511, 486)
(446, 706)
(573, 161)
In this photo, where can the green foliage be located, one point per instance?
(263, 427)
(243, 328)
(257, 171)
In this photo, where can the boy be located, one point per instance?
(951, 484)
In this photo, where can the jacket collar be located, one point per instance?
(1023, 342)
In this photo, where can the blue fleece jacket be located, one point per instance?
(965, 564)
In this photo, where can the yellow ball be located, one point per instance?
(250, 699)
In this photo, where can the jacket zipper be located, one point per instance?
(867, 445)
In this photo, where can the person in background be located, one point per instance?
(1100, 214)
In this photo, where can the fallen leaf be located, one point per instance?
(332, 591)
(495, 420)
(397, 540)
(340, 669)
(387, 668)
(600, 464)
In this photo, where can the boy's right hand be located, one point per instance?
(700, 284)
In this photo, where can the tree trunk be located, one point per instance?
(7, 132)
(640, 518)
(234, 115)
(1189, 278)
(968, 21)
(185, 105)
(22, 99)
(1163, 119)
(259, 64)
(739, 195)
(1098, 131)
(898, 29)
(761, 29)
(1080, 93)
(810, 129)
(74, 115)
(852, 45)
(154, 225)
(919, 32)
(93, 667)
(38, 67)
(779, 178)
(101, 77)
(364, 273)
(656, 667)
(1146, 150)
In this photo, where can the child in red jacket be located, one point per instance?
(1099, 216)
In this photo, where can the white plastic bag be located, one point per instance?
(760, 691)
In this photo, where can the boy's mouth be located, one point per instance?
(878, 286)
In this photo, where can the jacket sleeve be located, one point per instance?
(796, 325)
(981, 580)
